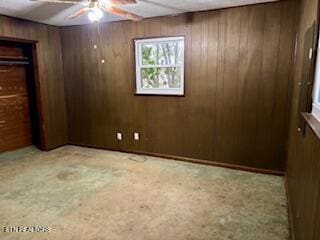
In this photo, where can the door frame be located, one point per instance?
(38, 88)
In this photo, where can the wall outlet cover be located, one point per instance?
(136, 136)
(119, 136)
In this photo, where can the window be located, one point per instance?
(316, 93)
(160, 66)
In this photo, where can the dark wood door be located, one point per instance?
(15, 125)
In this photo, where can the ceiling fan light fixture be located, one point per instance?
(95, 14)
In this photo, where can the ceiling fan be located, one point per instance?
(95, 8)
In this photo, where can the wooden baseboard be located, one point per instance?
(47, 149)
(289, 208)
(194, 160)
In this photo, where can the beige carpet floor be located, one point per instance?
(88, 194)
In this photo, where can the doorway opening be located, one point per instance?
(20, 108)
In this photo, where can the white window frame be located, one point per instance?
(158, 91)
(316, 90)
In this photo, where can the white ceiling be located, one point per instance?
(55, 13)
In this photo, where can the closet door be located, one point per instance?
(15, 125)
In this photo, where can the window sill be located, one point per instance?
(313, 123)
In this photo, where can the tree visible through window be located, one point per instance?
(160, 66)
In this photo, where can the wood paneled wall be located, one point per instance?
(304, 185)
(303, 164)
(50, 72)
(235, 109)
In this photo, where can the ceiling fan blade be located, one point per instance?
(121, 13)
(60, 1)
(122, 2)
(78, 13)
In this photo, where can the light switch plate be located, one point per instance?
(310, 53)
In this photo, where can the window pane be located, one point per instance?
(167, 77)
(162, 53)
(149, 54)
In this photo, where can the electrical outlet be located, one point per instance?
(119, 136)
(136, 136)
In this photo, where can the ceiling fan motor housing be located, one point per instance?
(95, 8)
(93, 3)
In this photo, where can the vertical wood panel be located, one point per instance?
(227, 109)
(268, 82)
(232, 71)
(283, 92)
(250, 94)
